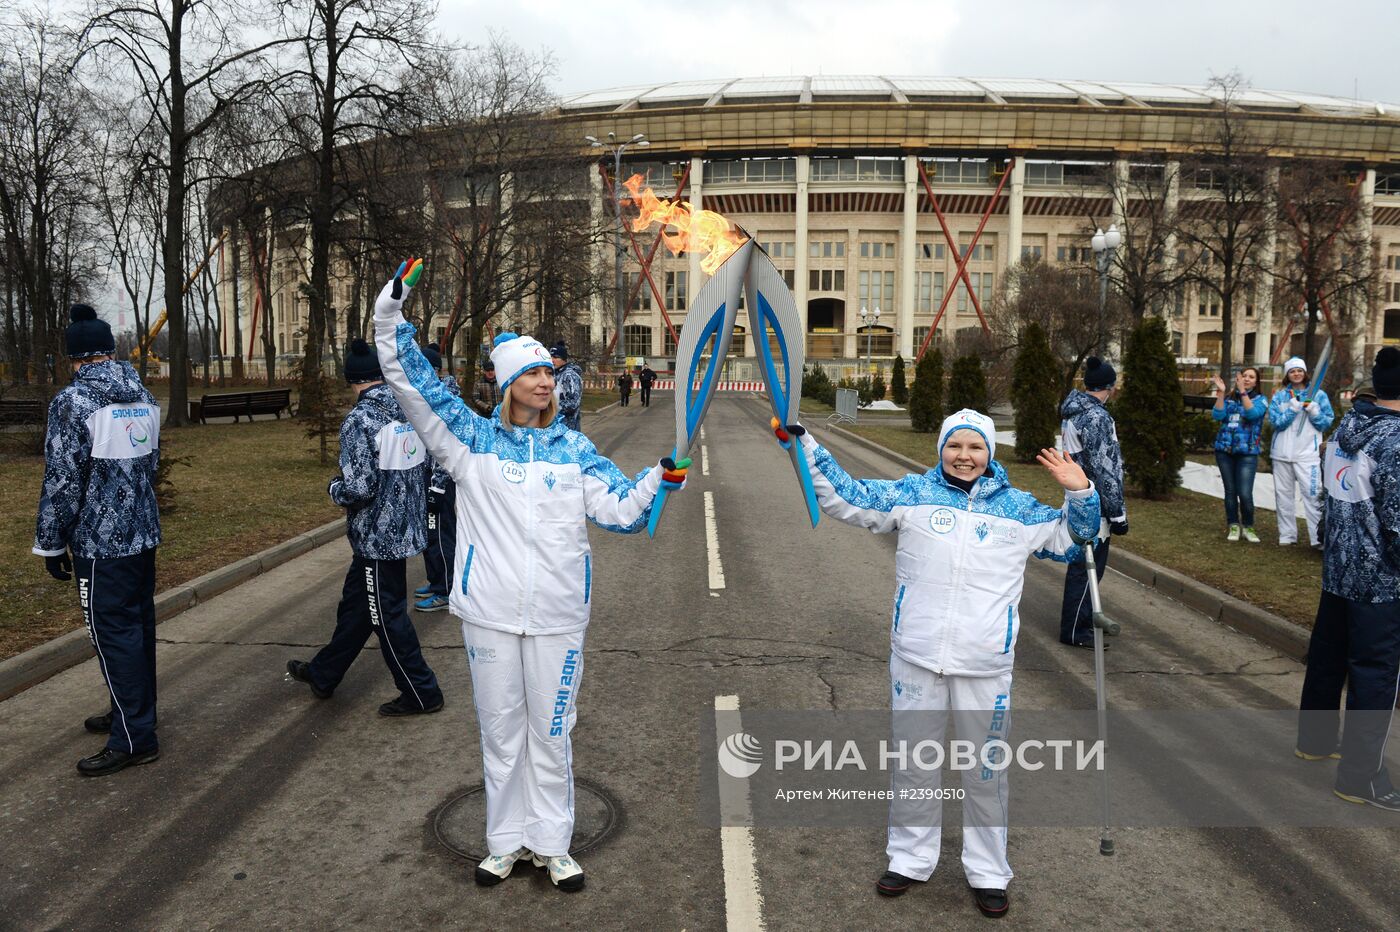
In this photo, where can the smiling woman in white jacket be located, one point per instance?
(523, 573)
(964, 536)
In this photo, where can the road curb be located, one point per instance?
(1279, 633)
(37, 664)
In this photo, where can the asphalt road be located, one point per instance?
(272, 809)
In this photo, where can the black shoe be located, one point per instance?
(1389, 801)
(993, 903)
(110, 760)
(401, 705)
(301, 670)
(892, 884)
(99, 724)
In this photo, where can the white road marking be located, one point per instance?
(712, 543)
(743, 903)
(704, 460)
(702, 433)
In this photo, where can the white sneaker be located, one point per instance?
(1234, 533)
(497, 867)
(564, 872)
(1250, 536)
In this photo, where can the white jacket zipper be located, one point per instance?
(530, 536)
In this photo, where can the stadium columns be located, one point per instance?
(1360, 365)
(799, 290)
(908, 244)
(697, 201)
(1264, 292)
(1015, 213)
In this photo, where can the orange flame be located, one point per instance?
(685, 228)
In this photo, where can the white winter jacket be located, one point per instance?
(961, 560)
(523, 562)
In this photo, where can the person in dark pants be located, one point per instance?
(646, 379)
(441, 547)
(624, 387)
(98, 501)
(1241, 415)
(381, 486)
(1356, 638)
(1090, 438)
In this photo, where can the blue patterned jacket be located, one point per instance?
(1361, 546)
(383, 467)
(437, 476)
(1239, 428)
(100, 456)
(1090, 437)
(961, 560)
(568, 386)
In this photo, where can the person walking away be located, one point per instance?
(1241, 415)
(528, 486)
(1355, 640)
(441, 545)
(568, 386)
(1300, 414)
(624, 387)
(953, 636)
(1090, 438)
(646, 379)
(98, 520)
(487, 392)
(381, 486)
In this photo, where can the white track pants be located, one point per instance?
(525, 690)
(913, 850)
(1290, 479)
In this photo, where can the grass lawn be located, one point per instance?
(1185, 533)
(248, 487)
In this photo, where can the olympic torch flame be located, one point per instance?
(685, 229)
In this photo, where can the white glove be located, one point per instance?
(1295, 405)
(393, 296)
(1312, 408)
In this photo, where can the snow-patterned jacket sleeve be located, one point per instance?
(867, 503)
(67, 449)
(359, 473)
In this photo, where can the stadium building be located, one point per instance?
(833, 175)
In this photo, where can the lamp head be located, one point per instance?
(1098, 241)
(592, 140)
(639, 137)
(1112, 238)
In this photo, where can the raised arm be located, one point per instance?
(445, 422)
(867, 503)
(1078, 519)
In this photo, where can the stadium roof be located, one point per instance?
(894, 89)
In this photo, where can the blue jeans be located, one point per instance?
(1237, 472)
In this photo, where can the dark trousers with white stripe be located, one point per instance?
(1076, 614)
(1356, 644)
(442, 541)
(375, 598)
(118, 597)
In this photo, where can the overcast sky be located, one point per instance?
(1329, 48)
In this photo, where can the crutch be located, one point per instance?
(1102, 625)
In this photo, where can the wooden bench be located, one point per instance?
(22, 412)
(245, 404)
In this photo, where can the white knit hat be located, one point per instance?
(1295, 363)
(512, 354)
(968, 419)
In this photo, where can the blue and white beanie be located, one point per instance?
(968, 419)
(512, 354)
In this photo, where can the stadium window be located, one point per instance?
(642, 300)
(676, 294)
(1250, 341)
(668, 343)
(1392, 326)
(790, 276)
(930, 250)
(1177, 338)
(1032, 252)
(281, 343)
(636, 340)
(920, 334)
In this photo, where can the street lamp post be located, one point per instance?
(868, 320)
(617, 148)
(1105, 244)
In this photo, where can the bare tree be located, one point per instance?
(187, 64)
(1226, 232)
(45, 189)
(1325, 263)
(1146, 272)
(1064, 301)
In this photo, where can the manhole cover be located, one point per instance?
(460, 825)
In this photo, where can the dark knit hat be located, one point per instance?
(1385, 375)
(362, 363)
(559, 349)
(87, 335)
(488, 366)
(1098, 374)
(430, 352)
